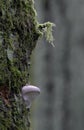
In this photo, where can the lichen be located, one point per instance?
(46, 30)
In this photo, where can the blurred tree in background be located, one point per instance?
(60, 70)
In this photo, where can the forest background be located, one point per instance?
(59, 71)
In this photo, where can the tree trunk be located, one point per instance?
(18, 37)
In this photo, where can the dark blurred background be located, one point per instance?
(59, 70)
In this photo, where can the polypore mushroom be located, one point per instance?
(29, 93)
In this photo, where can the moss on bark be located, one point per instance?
(19, 32)
(18, 37)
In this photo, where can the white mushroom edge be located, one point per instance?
(29, 93)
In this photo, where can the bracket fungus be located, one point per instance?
(29, 93)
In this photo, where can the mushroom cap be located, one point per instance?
(29, 93)
(30, 88)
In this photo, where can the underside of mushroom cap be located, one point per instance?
(29, 93)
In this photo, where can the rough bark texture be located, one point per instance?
(18, 37)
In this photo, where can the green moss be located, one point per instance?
(16, 117)
(18, 38)
(19, 32)
(18, 35)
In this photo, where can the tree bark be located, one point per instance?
(18, 37)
